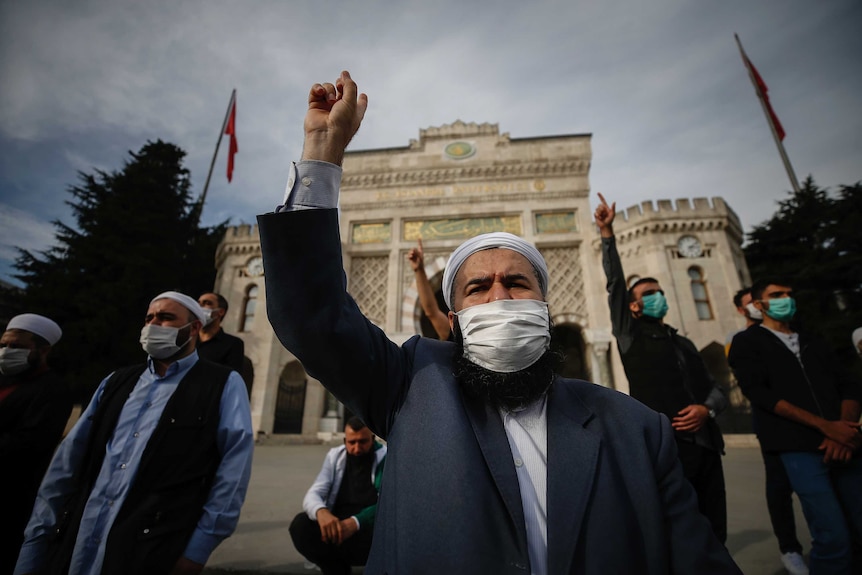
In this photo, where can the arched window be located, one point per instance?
(249, 308)
(698, 292)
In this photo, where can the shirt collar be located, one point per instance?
(183, 364)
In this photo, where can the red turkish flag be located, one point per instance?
(230, 130)
(760, 85)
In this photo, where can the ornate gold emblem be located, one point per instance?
(459, 150)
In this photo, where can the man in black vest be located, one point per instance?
(666, 372)
(35, 404)
(153, 475)
(334, 530)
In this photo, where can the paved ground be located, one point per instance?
(282, 473)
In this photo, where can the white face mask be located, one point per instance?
(211, 314)
(161, 341)
(506, 335)
(753, 312)
(14, 360)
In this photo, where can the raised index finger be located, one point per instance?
(602, 198)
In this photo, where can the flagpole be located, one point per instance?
(762, 97)
(203, 196)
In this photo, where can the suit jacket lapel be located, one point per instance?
(573, 451)
(488, 428)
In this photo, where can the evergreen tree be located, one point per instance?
(137, 235)
(815, 241)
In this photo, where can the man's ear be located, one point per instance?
(760, 305)
(635, 308)
(451, 316)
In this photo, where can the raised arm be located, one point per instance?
(307, 303)
(416, 257)
(618, 297)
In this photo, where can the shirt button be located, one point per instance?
(306, 181)
(122, 466)
(518, 463)
(135, 434)
(146, 530)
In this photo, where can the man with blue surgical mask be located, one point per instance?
(806, 410)
(153, 475)
(494, 463)
(666, 372)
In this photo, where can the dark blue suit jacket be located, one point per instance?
(450, 500)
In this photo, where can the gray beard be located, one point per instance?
(509, 391)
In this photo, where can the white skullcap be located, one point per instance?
(40, 325)
(493, 240)
(187, 302)
(857, 335)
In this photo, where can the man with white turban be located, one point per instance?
(153, 475)
(35, 404)
(494, 464)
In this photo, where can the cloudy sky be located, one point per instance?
(660, 86)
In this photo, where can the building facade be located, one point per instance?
(459, 180)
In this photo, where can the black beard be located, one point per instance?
(510, 391)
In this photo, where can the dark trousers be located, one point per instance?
(332, 559)
(702, 468)
(779, 502)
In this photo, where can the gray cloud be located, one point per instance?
(660, 86)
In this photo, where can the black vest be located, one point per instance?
(166, 498)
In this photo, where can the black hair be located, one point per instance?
(355, 424)
(758, 287)
(737, 299)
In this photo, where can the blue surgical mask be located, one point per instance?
(781, 309)
(655, 305)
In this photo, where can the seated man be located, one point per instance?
(335, 529)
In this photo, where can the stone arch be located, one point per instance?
(290, 399)
(411, 310)
(568, 340)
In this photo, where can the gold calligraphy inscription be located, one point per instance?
(462, 190)
(556, 222)
(371, 233)
(455, 228)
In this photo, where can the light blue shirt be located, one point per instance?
(137, 421)
(527, 432)
(315, 185)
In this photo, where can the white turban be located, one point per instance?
(503, 240)
(857, 335)
(40, 325)
(185, 301)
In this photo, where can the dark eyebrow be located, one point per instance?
(506, 278)
(163, 315)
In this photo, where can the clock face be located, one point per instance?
(255, 266)
(689, 247)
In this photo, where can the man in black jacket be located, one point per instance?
(666, 372)
(216, 345)
(35, 404)
(806, 410)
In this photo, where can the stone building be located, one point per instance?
(459, 180)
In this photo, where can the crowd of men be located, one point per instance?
(493, 462)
